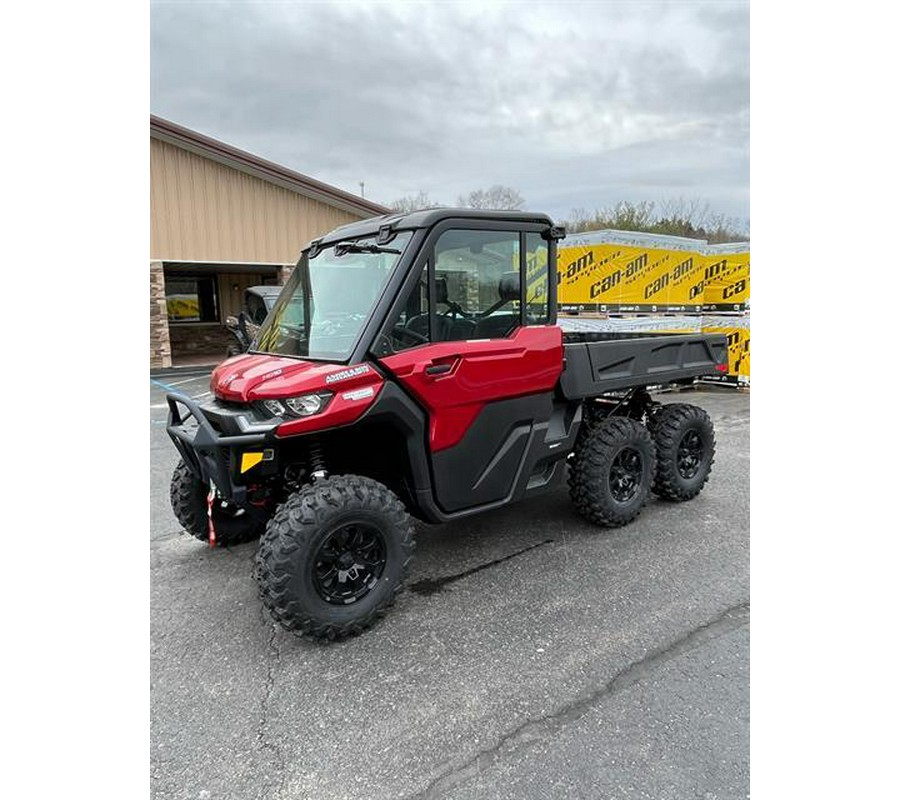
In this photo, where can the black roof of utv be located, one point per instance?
(425, 218)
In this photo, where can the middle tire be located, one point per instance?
(334, 556)
(611, 473)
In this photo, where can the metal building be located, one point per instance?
(221, 220)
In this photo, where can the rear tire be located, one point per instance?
(334, 556)
(188, 494)
(611, 473)
(685, 447)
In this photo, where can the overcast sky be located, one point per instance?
(576, 105)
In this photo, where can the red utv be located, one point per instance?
(412, 365)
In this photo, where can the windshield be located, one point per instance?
(325, 303)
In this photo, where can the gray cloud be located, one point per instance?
(578, 105)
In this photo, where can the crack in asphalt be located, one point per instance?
(273, 660)
(428, 586)
(732, 421)
(533, 730)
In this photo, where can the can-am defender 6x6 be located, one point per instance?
(412, 365)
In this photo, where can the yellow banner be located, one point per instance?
(183, 307)
(535, 275)
(625, 278)
(726, 281)
(610, 276)
(738, 333)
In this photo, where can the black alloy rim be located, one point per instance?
(349, 563)
(625, 474)
(690, 455)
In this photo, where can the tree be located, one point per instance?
(497, 198)
(412, 202)
(692, 219)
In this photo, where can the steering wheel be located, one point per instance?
(400, 332)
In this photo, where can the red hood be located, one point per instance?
(260, 377)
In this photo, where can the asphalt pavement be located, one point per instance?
(534, 655)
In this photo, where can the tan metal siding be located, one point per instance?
(201, 210)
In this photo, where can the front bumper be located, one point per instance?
(212, 441)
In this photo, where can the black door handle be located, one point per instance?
(438, 369)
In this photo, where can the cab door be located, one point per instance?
(485, 365)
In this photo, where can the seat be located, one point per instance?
(461, 329)
(496, 326)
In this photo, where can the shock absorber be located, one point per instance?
(316, 460)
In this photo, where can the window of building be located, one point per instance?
(192, 298)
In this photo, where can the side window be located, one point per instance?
(256, 309)
(537, 285)
(476, 285)
(409, 328)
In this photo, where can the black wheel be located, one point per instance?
(188, 496)
(334, 556)
(685, 448)
(611, 472)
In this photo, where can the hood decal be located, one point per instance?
(344, 374)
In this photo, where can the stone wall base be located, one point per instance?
(160, 344)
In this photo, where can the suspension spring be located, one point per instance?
(317, 460)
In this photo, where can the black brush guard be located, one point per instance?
(208, 453)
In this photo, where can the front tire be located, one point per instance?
(334, 556)
(611, 473)
(188, 493)
(685, 447)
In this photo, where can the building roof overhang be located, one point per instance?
(194, 142)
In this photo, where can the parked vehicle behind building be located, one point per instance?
(258, 302)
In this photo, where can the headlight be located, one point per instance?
(274, 407)
(306, 405)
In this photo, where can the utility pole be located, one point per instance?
(362, 188)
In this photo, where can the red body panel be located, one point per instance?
(528, 362)
(260, 377)
(345, 407)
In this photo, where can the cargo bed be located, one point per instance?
(597, 362)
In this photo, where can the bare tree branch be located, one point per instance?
(691, 218)
(498, 198)
(413, 202)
